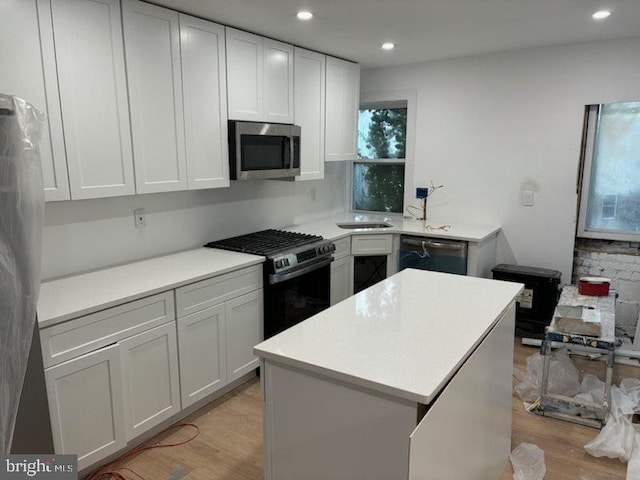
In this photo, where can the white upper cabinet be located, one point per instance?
(343, 99)
(22, 75)
(152, 42)
(260, 78)
(93, 95)
(204, 82)
(309, 101)
(277, 78)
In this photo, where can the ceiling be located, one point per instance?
(421, 29)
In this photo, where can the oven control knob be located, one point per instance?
(278, 263)
(286, 262)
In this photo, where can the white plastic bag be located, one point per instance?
(616, 438)
(631, 386)
(528, 462)
(594, 387)
(564, 378)
(633, 467)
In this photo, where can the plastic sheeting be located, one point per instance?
(527, 460)
(21, 218)
(564, 378)
(618, 438)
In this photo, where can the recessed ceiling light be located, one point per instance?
(388, 46)
(600, 14)
(304, 15)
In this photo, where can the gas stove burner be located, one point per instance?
(285, 251)
(265, 242)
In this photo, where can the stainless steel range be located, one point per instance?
(297, 274)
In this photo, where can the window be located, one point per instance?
(610, 195)
(378, 175)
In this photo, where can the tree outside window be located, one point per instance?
(378, 180)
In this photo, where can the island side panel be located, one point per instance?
(466, 432)
(317, 428)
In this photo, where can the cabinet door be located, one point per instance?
(351, 102)
(201, 343)
(343, 90)
(341, 279)
(244, 331)
(309, 104)
(93, 95)
(150, 378)
(22, 75)
(86, 405)
(244, 74)
(204, 82)
(277, 62)
(152, 41)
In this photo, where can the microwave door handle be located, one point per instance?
(292, 151)
(288, 152)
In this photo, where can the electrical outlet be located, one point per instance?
(138, 217)
(527, 198)
(422, 192)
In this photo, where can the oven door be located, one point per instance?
(295, 296)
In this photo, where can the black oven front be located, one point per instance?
(295, 296)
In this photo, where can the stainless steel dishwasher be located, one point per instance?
(438, 255)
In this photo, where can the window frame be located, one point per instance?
(390, 99)
(591, 125)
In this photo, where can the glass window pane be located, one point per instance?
(614, 196)
(378, 187)
(382, 133)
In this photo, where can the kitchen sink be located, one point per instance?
(354, 225)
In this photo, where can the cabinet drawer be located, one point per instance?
(84, 334)
(372, 244)
(200, 295)
(343, 248)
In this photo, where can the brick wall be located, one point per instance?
(619, 261)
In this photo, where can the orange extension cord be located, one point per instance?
(113, 471)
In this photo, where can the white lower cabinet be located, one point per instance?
(244, 331)
(114, 374)
(150, 378)
(341, 279)
(341, 271)
(216, 339)
(111, 375)
(201, 343)
(86, 405)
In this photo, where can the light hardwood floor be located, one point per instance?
(229, 446)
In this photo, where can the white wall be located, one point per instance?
(89, 234)
(491, 126)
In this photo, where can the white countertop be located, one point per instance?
(70, 297)
(84, 293)
(405, 336)
(454, 231)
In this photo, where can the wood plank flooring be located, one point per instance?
(229, 446)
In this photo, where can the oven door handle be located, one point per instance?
(283, 277)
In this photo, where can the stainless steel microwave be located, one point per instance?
(263, 150)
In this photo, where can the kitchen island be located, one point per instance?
(409, 379)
